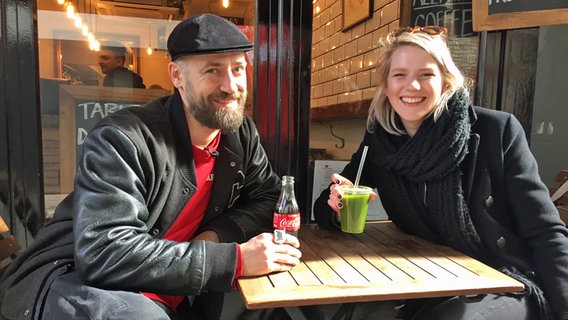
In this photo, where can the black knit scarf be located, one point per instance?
(430, 161)
(425, 195)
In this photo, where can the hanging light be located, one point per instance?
(225, 4)
(149, 50)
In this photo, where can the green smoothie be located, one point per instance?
(353, 214)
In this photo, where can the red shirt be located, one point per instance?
(184, 227)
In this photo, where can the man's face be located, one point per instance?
(214, 89)
(109, 61)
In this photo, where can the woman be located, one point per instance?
(460, 176)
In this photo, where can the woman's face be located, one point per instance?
(414, 85)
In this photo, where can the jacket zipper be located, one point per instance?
(424, 191)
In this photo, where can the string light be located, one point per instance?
(78, 22)
(70, 11)
(72, 14)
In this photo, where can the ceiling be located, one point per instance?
(174, 9)
(159, 9)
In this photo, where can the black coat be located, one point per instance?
(508, 203)
(136, 175)
(122, 77)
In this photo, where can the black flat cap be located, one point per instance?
(206, 33)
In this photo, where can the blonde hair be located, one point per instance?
(381, 110)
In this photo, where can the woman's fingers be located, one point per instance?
(340, 180)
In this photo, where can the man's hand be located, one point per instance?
(261, 255)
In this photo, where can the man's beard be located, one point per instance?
(226, 119)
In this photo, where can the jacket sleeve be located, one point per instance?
(113, 248)
(536, 218)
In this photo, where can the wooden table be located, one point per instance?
(382, 263)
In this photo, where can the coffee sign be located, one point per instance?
(455, 15)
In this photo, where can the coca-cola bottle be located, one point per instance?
(287, 214)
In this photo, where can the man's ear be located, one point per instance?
(175, 73)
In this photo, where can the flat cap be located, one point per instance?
(206, 33)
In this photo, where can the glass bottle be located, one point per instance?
(287, 214)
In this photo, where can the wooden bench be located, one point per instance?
(9, 247)
(560, 195)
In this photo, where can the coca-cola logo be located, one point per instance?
(286, 221)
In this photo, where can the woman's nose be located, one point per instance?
(414, 84)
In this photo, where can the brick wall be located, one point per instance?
(343, 62)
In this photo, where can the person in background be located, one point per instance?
(111, 60)
(460, 176)
(172, 203)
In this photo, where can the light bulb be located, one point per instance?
(225, 3)
(70, 11)
(149, 50)
(97, 45)
(78, 21)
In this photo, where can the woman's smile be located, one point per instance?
(414, 86)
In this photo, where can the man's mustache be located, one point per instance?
(225, 96)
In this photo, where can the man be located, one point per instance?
(153, 183)
(111, 61)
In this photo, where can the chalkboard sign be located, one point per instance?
(455, 15)
(513, 14)
(81, 107)
(88, 113)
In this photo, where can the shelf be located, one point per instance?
(344, 111)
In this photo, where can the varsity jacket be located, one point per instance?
(135, 176)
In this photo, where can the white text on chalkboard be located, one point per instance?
(101, 109)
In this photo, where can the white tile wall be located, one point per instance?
(343, 66)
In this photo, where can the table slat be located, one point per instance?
(383, 263)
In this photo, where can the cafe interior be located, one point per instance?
(311, 80)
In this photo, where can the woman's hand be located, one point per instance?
(335, 195)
